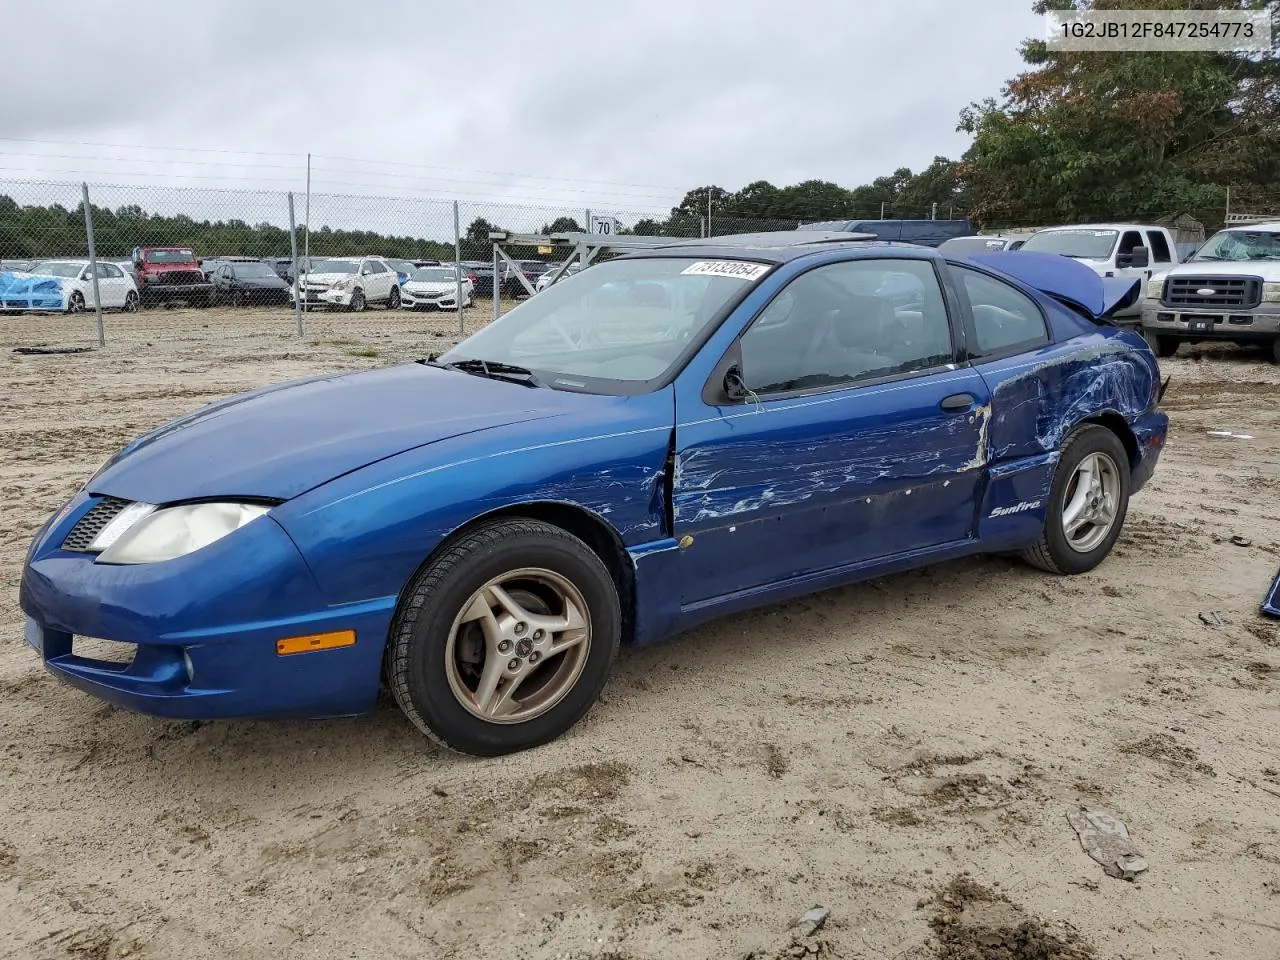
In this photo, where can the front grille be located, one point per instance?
(1227, 292)
(91, 524)
(175, 277)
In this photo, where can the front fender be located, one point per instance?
(365, 534)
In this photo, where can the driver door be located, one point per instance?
(859, 439)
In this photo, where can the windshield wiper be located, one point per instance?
(1210, 257)
(493, 369)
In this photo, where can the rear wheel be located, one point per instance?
(237, 298)
(504, 641)
(131, 302)
(393, 301)
(75, 302)
(1161, 344)
(1087, 503)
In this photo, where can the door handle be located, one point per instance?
(957, 401)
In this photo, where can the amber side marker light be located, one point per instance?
(317, 641)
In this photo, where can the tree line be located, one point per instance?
(1074, 137)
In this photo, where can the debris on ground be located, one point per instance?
(1106, 839)
(42, 351)
(1230, 435)
(813, 920)
(800, 940)
(1213, 619)
(975, 923)
(1271, 605)
(1240, 541)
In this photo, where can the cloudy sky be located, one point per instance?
(561, 105)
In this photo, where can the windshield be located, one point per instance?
(253, 270)
(963, 246)
(400, 266)
(1241, 245)
(613, 327)
(50, 268)
(334, 266)
(170, 256)
(1086, 244)
(434, 275)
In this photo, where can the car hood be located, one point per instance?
(1065, 278)
(1267, 269)
(172, 268)
(327, 278)
(262, 283)
(283, 440)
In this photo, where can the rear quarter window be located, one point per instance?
(1004, 319)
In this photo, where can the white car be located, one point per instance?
(544, 281)
(435, 287)
(116, 287)
(351, 283)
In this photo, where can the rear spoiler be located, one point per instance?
(1065, 279)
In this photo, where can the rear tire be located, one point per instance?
(75, 302)
(1091, 481)
(237, 298)
(454, 625)
(1161, 344)
(131, 302)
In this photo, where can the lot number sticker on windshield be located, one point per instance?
(736, 269)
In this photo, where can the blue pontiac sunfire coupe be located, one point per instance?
(664, 438)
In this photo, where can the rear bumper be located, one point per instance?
(202, 629)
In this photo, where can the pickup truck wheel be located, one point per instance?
(505, 640)
(131, 302)
(1161, 344)
(1087, 503)
(1275, 350)
(393, 301)
(358, 302)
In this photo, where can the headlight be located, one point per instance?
(150, 535)
(1271, 292)
(341, 284)
(1155, 288)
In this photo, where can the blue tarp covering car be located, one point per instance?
(28, 291)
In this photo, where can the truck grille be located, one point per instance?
(91, 524)
(1227, 292)
(175, 277)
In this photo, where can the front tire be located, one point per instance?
(505, 640)
(358, 302)
(1161, 344)
(131, 302)
(393, 301)
(75, 302)
(1087, 503)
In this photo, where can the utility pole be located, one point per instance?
(709, 233)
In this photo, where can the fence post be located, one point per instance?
(306, 230)
(457, 264)
(93, 264)
(497, 285)
(293, 250)
(934, 214)
(881, 209)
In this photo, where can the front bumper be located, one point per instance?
(423, 301)
(154, 292)
(324, 298)
(202, 628)
(1223, 323)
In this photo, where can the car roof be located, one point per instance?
(1267, 225)
(1102, 226)
(780, 246)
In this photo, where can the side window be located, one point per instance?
(376, 267)
(848, 322)
(1131, 239)
(109, 271)
(1004, 319)
(1159, 247)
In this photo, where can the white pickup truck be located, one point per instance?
(1228, 290)
(1112, 250)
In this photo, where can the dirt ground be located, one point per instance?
(902, 752)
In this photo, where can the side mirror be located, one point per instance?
(735, 388)
(1137, 257)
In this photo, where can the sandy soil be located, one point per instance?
(902, 752)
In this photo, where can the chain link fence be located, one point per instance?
(202, 241)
